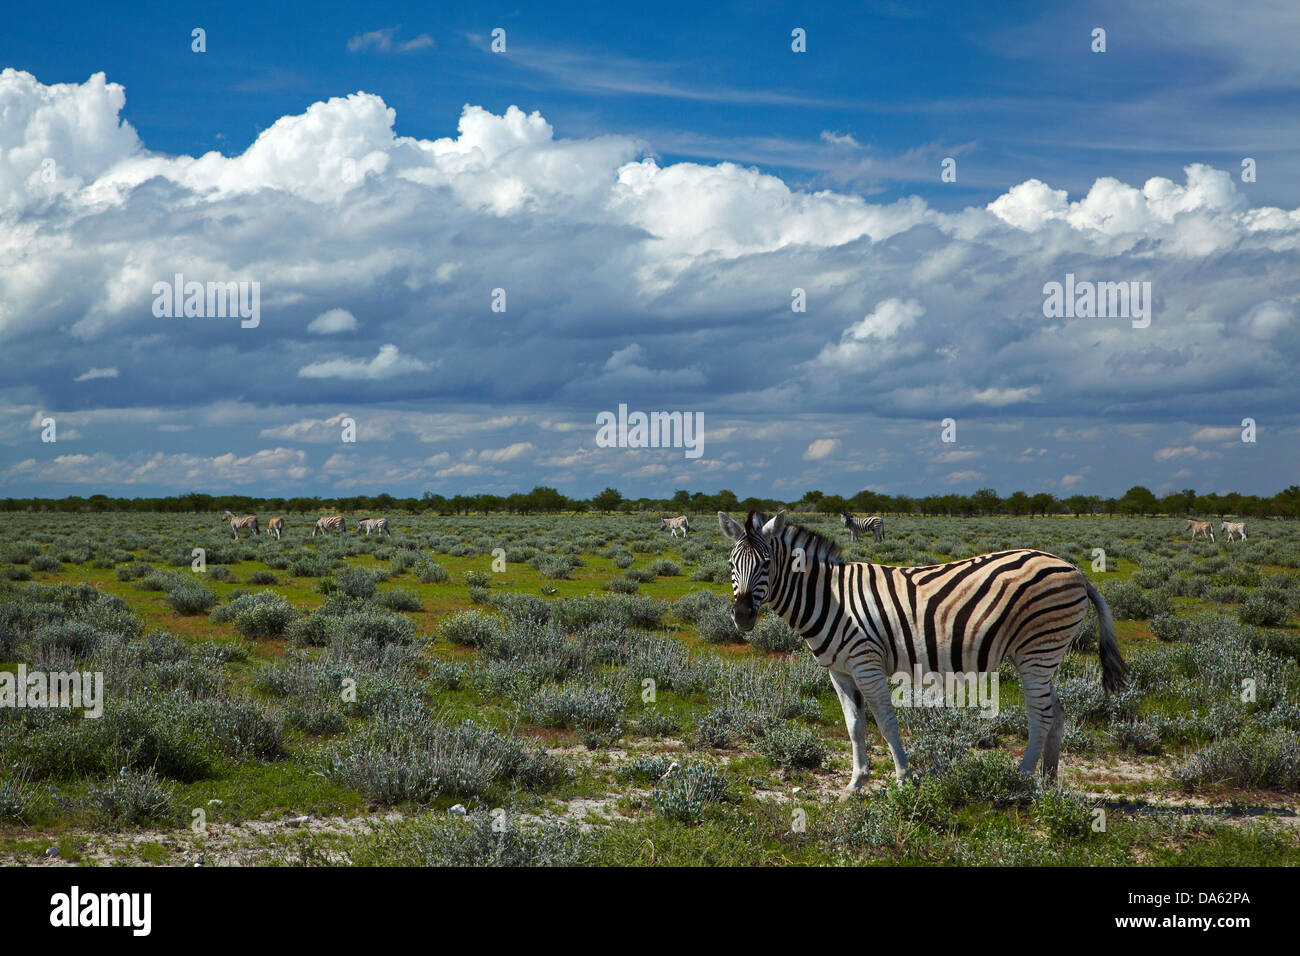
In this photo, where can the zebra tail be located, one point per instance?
(1113, 670)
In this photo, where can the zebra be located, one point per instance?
(857, 526)
(680, 523)
(864, 622)
(1230, 528)
(377, 525)
(275, 526)
(328, 523)
(238, 522)
(1203, 528)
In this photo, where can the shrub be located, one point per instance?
(1250, 760)
(771, 633)
(359, 582)
(259, 615)
(793, 745)
(1128, 600)
(682, 797)
(716, 626)
(190, 597)
(1262, 610)
(470, 628)
(131, 798)
(406, 756)
(399, 600)
(262, 577)
(431, 572)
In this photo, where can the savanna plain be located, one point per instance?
(570, 689)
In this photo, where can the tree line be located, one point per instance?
(1138, 500)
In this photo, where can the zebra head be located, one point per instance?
(751, 559)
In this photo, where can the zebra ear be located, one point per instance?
(775, 526)
(729, 527)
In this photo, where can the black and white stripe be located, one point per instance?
(240, 523)
(1233, 528)
(875, 526)
(328, 523)
(377, 525)
(865, 622)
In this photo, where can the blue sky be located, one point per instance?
(648, 187)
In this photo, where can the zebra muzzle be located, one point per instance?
(744, 613)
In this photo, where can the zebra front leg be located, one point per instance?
(855, 722)
(873, 684)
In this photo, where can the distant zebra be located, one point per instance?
(275, 526)
(239, 522)
(329, 523)
(377, 525)
(857, 526)
(865, 622)
(1230, 528)
(680, 523)
(1202, 528)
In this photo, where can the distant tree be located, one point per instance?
(607, 500)
(1139, 500)
(1018, 504)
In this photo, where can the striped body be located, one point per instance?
(865, 622)
(680, 523)
(1230, 528)
(275, 526)
(377, 525)
(1199, 528)
(241, 523)
(328, 523)
(875, 526)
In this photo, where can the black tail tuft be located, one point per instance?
(1113, 670)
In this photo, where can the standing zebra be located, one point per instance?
(857, 526)
(680, 523)
(275, 526)
(377, 525)
(238, 522)
(864, 622)
(328, 523)
(1230, 528)
(1202, 528)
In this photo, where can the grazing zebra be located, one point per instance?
(864, 622)
(377, 525)
(680, 523)
(1230, 528)
(329, 523)
(1203, 528)
(857, 526)
(238, 522)
(275, 526)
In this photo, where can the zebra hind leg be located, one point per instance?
(1042, 707)
(1052, 746)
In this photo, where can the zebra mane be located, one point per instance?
(815, 544)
